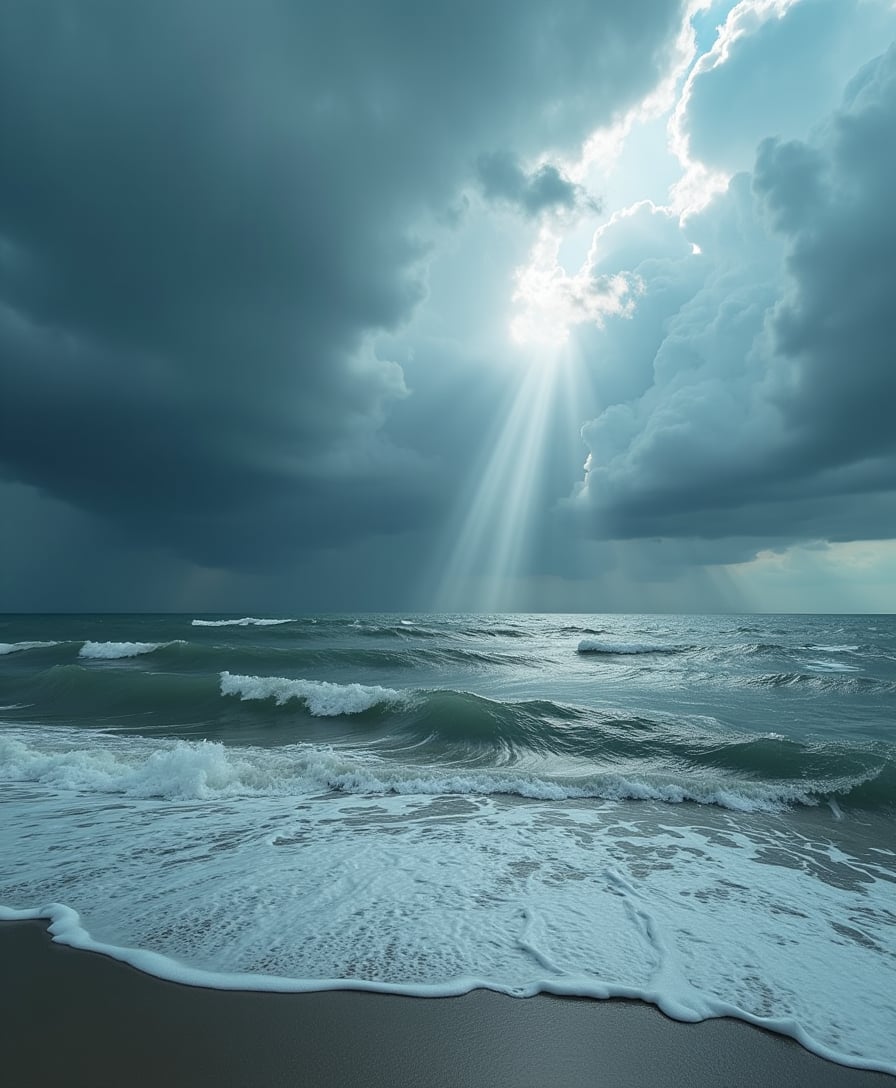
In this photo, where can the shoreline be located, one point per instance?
(73, 1017)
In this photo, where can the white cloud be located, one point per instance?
(765, 409)
(777, 67)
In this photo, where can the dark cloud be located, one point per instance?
(767, 412)
(504, 180)
(208, 210)
(837, 325)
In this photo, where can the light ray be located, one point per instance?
(496, 529)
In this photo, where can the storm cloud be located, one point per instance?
(504, 180)
(310, 306)
(207, 210)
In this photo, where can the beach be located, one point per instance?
(448, 594)
(385, 848)
(77, 1018)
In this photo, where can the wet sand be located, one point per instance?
(76, 1018)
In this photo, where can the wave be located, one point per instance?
(404, 657)
(73, 692)
(824, 680)
(403, 629)
(322, 699)
(191, 770)
(260, 657)
(111, 651)
(831, 666)
(420, 629)
(457, 729)
(754, 648)
(247, 621)
(497, 631)
(780, 648)
(832, 649)
(594, 646)
(19, 647)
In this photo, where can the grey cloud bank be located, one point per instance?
(256, 265)
(205, 210)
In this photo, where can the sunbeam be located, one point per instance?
(490, 550)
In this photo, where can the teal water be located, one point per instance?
(696, 810)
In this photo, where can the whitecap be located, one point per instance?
(110, 651)
(322, 699)
(247, 621)
(18, 647)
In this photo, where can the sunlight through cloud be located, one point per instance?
(553, 300)
(491, 537)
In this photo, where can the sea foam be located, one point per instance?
(18, 647)
(322, 699)
(142, 767)
(437, 897)
(247, 621)
(95, 763)
(110, 651)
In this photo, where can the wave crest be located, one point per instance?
(247, 621)
(201, 770)
(109, 651)
(18, 647)
(322, 699)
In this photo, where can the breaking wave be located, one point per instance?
(794, 774)
(247, 621)
(111, 651)
(140, 767)
(322, 699)
(19, 647)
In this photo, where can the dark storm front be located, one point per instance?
(694, 810)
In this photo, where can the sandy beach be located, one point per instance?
(76, 1018)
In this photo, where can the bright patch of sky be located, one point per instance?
(745, 71)
(542, 307)
(644, 156)
(857, 576)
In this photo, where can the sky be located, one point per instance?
(532, 305)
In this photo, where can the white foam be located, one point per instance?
(92, 762)
(321, 698)
(831, 666)
(18, 647)
(437, 897)
(110, 651)
(597, 646)
(247, 621)
(146, 767)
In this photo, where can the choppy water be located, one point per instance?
(699, 811)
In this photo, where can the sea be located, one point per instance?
(697, 811)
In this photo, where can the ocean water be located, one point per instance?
(696, 811)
